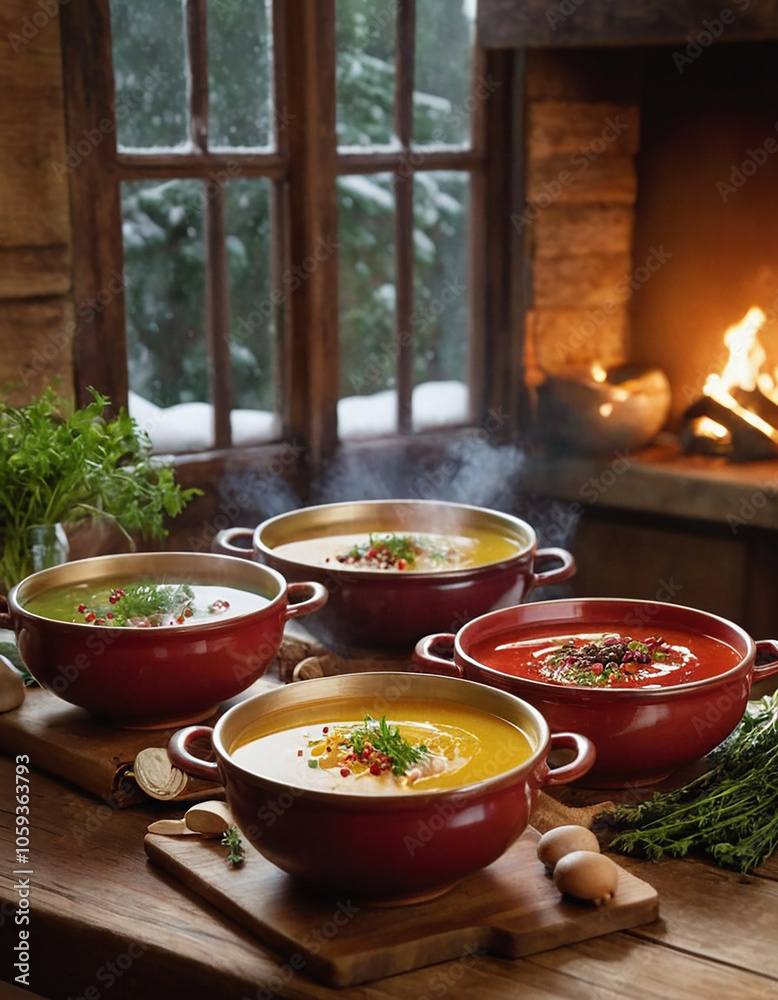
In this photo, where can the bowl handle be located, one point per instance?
(767, 650)
(557, 575)
(224, 542)
(427, 661)
(578, 766)
(5, 614)
(179, 754)
(317, 598)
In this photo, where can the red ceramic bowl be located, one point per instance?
(392, 609)
(160, 676)
(396, 848)
(640, 734)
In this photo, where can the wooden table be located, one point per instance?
(105, 923)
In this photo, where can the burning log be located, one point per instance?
(747, 438)
(757, 403)
(734, 416)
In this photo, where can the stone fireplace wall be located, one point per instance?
(583, 133)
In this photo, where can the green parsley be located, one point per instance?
(60, 465)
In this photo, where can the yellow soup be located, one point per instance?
(419, 551)
(341, 747)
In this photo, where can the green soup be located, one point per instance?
(145, 603)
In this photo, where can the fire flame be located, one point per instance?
(742, 371)
(708, 428)
(746, 356)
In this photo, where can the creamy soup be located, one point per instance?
(421, 747)
(143, 603)
(603, 658)
(423, 552)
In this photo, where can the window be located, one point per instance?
(284, 210)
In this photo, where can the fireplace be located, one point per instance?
(651, 198)
(649, 166)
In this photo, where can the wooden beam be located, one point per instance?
(218, 307)
(544, 24)
(310, 283)
(491, 344)
(197, 72)
(405, 55)
(163, 165)
(215, 230)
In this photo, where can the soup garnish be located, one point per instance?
(606, 657)
(368, 748)
(606, 660)
(404, 552)
(145, 603)
(419, 551)
(424, 747)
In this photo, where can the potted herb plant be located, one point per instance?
(60, 464)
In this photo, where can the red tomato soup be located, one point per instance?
(604, 657)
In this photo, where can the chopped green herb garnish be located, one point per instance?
(232, 841)
(142, 604)
(386, 739)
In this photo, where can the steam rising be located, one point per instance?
(471, 470)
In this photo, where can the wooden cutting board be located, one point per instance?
(65, 741)
(511, 909)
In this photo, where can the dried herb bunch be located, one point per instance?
(59, 464)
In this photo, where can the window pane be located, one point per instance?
(441, 299)
(367, 301)
(165, 293)
(443, 70)
(252, 326)
(240, 73)
(365, 71)
(149, 68)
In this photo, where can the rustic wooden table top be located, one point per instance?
(106, 922)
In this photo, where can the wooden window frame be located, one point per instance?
(304, 199)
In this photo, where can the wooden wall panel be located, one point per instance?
(37, 346)
(34, 191)
(35, 227)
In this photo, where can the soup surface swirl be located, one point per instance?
(605, 657)
(341, 748)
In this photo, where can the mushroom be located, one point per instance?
(562, 840)
(11, 685)
(587, 876)
(211, 819)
